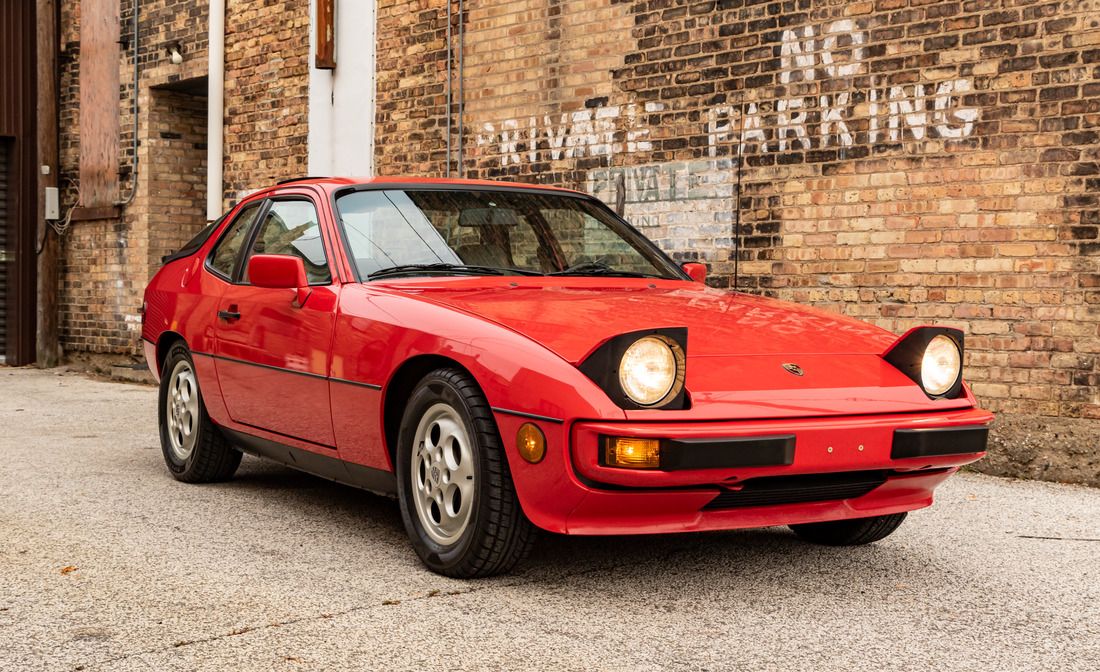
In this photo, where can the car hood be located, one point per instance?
(739, 351)
(572, 318)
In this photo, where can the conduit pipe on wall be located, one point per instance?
(137, 72)
(461, 77)
(447, 170)
(737, 199)
(215, 111)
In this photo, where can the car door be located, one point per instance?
(272, 351)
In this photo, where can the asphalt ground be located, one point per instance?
(107, 563)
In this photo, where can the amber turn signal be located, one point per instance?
(531, 442)
(632, 453)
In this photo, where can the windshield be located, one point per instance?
(476, 232)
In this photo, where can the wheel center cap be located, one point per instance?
(435, 474)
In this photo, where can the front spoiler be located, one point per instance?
(570, 492)
(604, 512)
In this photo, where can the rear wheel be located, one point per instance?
(195, 451)
(453, 484)
(853, 532)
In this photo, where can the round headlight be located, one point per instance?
(941, 365)
(651, 370)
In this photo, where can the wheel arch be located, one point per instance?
(400, 387)
(164, 343)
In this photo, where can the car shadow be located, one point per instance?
(770, 559)
(293, 487)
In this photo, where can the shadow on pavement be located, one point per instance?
(755, 557)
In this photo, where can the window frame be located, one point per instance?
(269, 202)
(262, 204)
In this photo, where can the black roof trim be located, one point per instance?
(302, 179)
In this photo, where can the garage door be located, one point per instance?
(4, 147)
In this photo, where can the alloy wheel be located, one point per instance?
(443, 474)
(182, 406)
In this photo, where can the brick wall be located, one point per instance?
(411, 104)
(106, 263)
(902, 161)
(176, 169)
(266, 93)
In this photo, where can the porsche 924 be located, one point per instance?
(503, 358)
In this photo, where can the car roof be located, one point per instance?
(333, 183)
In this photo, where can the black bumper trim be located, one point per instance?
(939, 441)
(529, 416)
(777, 490)
(752, 451)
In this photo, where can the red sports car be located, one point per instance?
(505, 357)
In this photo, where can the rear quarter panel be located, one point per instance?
(182, 298)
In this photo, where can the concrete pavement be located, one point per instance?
(106, 563)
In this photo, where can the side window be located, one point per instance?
(228, 249)
(291, 227)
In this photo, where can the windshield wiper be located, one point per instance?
(445, 268)
(595, 268)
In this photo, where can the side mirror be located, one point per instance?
(698, 272)
(279, 271)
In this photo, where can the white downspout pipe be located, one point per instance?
(215, 111)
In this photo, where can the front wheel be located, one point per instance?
(853, 532)
(453, 484)
(195, 450)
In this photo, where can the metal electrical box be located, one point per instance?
(53, 205)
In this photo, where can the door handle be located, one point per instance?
(229, 315)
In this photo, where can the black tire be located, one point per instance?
(853, 532)
(497, 535)
(212, 458)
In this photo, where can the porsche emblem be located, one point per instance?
(793, 368)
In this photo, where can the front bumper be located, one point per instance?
(846, 467)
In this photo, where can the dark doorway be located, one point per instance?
(5, 219)
(19, 177)
(176, 165)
